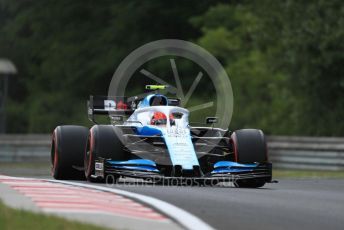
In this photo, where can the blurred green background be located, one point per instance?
(285, 59)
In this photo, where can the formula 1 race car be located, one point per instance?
(151, 138)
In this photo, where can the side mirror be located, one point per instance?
(211, 120)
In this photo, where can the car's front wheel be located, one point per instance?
(249, 146)
(104, 141)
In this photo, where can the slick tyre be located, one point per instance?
(67, 151)
(104, 141)
(249, 146)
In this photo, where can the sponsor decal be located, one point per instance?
(99, 166)
(109, 105)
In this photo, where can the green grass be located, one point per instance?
(11, 219)
(281, 173)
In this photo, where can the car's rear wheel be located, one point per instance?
(67, 150)
(104, 141)
(249, 146)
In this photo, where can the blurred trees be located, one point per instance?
(285, 61)
(284, 58)
(67, 50)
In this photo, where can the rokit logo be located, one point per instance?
(109, 105)
(177, 132)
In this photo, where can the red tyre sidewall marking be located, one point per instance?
(55, 163)
(234, 144)
(90, 159)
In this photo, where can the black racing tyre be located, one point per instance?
(249, 146)
(105, 141)
(67, 151)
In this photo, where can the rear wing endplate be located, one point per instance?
(115, 107)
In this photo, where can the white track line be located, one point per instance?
(183, 217)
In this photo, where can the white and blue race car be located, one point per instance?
(151, 138)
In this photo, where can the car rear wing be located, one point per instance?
(115, 107)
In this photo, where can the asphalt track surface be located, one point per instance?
(290, 204)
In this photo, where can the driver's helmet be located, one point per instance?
(160, 118)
